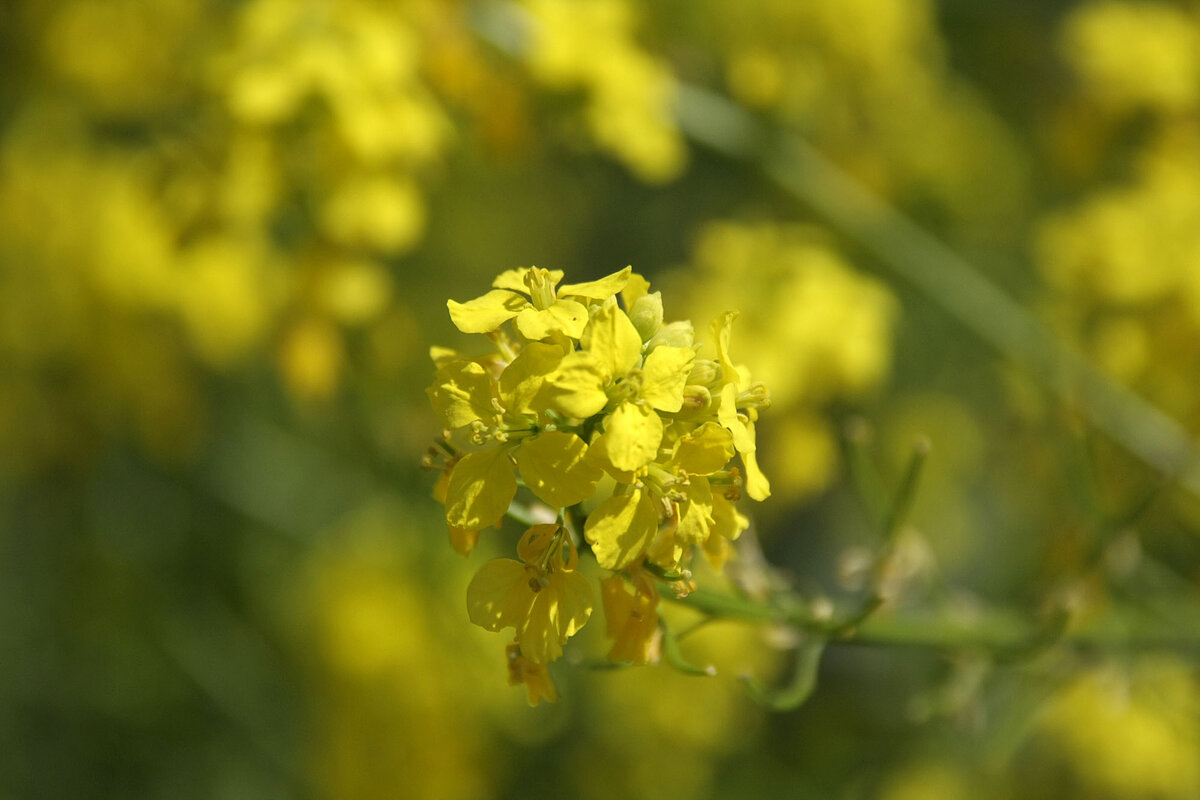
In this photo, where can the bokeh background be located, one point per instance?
(227, 234)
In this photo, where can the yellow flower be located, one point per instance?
(739, 403)
(541, 595)
(632, 619)
(535, 677)
(529, 296)
(503, 422)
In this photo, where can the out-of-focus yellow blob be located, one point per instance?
(227, 296)
(589, 45)
(312, 358)
(1133, 55)
(1130, 736)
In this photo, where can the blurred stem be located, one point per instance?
(942, 276)
(1002, 634)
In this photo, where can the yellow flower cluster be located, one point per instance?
(802, 289)
(601, 409)
(1120, 263)
(589, 45)
(867, 81)
(1135, 55)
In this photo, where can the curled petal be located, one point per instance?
(601, 289)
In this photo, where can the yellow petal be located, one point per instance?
(637, 288)
(499, 595)
(601, 289)
(522, 670)
(480, 489)
(727, 522)
(757, 485)
(487, 313)
(743, 434)
(565, 316)
(721, 328)
(553, 466)
(514, 279)
(695, 517)
(664, 374)
(632, 435)
(613, 340)
(632, 622)
(704, 450)
(557, 612)
(576, 388)
(620, 528)
(463, 540)
(523, 378)
(462, 393)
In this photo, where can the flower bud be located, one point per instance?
(673, 334)
(647, 314)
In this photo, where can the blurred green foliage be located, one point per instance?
(228, 230)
